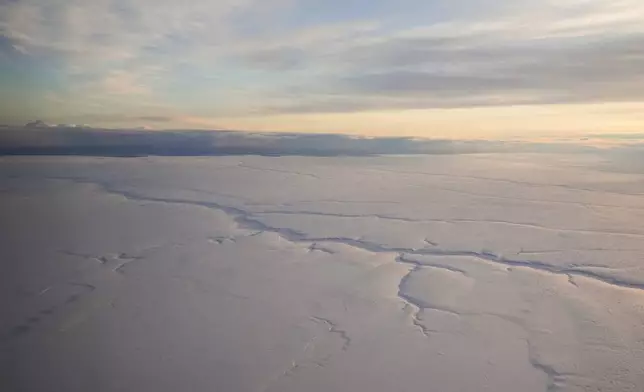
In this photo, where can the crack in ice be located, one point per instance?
(245, 220)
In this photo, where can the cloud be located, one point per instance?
(120, 142)
(307, 56)
(156, 119)
(276, 59)
(478, 67)
(576, 72)
(123, 82)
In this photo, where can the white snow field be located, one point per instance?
(446, 273)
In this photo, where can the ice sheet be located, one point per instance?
(487, 272)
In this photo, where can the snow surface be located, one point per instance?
(486, 272)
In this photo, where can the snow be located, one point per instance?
(483, 272)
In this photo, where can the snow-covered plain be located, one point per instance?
(484, 272)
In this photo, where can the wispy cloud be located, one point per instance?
(125, 83)
(250, 57)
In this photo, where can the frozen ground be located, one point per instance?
(446, 273)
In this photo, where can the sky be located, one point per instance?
(458, 68)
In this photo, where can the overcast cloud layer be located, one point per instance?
(119, 142)
(164, 62)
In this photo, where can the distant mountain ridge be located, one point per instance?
(37, 124)
(42, 124)
(38, 138)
